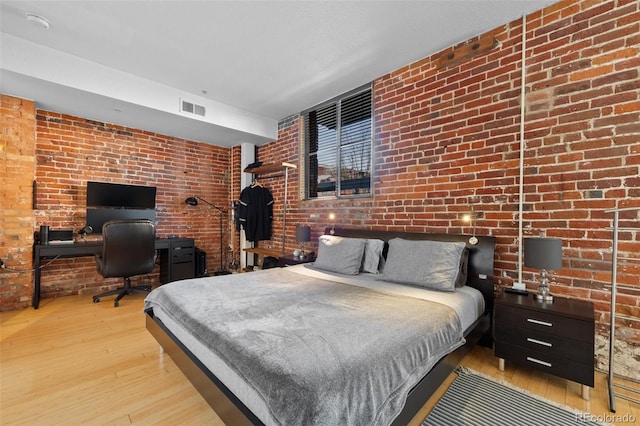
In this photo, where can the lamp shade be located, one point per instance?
(303, 234)
(543, 253)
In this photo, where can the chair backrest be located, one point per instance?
(129, 248)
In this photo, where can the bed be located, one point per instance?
(334, 342)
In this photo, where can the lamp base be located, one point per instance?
(546, 298)
(543, 289)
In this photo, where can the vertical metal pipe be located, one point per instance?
(284, 207)
(523, 74)
(612, 315)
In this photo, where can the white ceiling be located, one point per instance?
(250, 63)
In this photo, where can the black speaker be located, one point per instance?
(34, 202)
(201, 263)
(44, 234)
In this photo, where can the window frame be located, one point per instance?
(337, 101)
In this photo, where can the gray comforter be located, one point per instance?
(318, 352)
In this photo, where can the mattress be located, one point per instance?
(466, 302)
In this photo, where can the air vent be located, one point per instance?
(191, 108)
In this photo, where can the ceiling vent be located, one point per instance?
(191, 108)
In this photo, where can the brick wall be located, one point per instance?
(17, 160)
(69, 151)
(448, 138)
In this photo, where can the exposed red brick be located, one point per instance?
(443, 138)
(576, 138)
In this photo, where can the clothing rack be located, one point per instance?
(274, 168)
(614, 289)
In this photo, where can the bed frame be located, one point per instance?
(233, 412)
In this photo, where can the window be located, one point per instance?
(338, 144)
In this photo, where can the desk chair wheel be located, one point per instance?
(96, 300)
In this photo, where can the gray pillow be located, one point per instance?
(430, 264)
(372, 255)
(338, 254)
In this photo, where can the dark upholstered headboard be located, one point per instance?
(481, 255)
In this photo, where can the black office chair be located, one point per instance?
(129, 248)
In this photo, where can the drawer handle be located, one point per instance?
(537, 361)
(539, 342)
(548, 324)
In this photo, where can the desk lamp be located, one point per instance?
(193, 201)
(544, 254)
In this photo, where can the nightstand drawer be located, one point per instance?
(184, 255)
(576, 371)
(548, 344)
(544, 322)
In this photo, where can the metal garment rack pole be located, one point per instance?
(270, 168)
(614, 289)
(284, 208)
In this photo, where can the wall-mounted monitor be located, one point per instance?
(115, 201)
(116, 195)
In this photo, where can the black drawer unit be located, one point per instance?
(557, 337)
(178, 262)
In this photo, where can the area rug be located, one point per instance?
(473, 399)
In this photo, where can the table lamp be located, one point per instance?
(544, 254)
(303, 235)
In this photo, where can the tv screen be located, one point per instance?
(115, 195)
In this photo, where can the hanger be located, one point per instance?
(255, 183)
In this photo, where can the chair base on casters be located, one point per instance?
(122, 292)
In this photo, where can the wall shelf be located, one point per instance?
(270, 168)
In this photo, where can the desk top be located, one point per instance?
(81, 248)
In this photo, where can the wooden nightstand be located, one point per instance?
(557, 337)
(290, 259)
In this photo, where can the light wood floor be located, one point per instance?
(74, 362)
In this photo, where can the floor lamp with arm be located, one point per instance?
(193, 201)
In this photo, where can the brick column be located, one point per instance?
(17, 170)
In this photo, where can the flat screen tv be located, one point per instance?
(120, 196)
